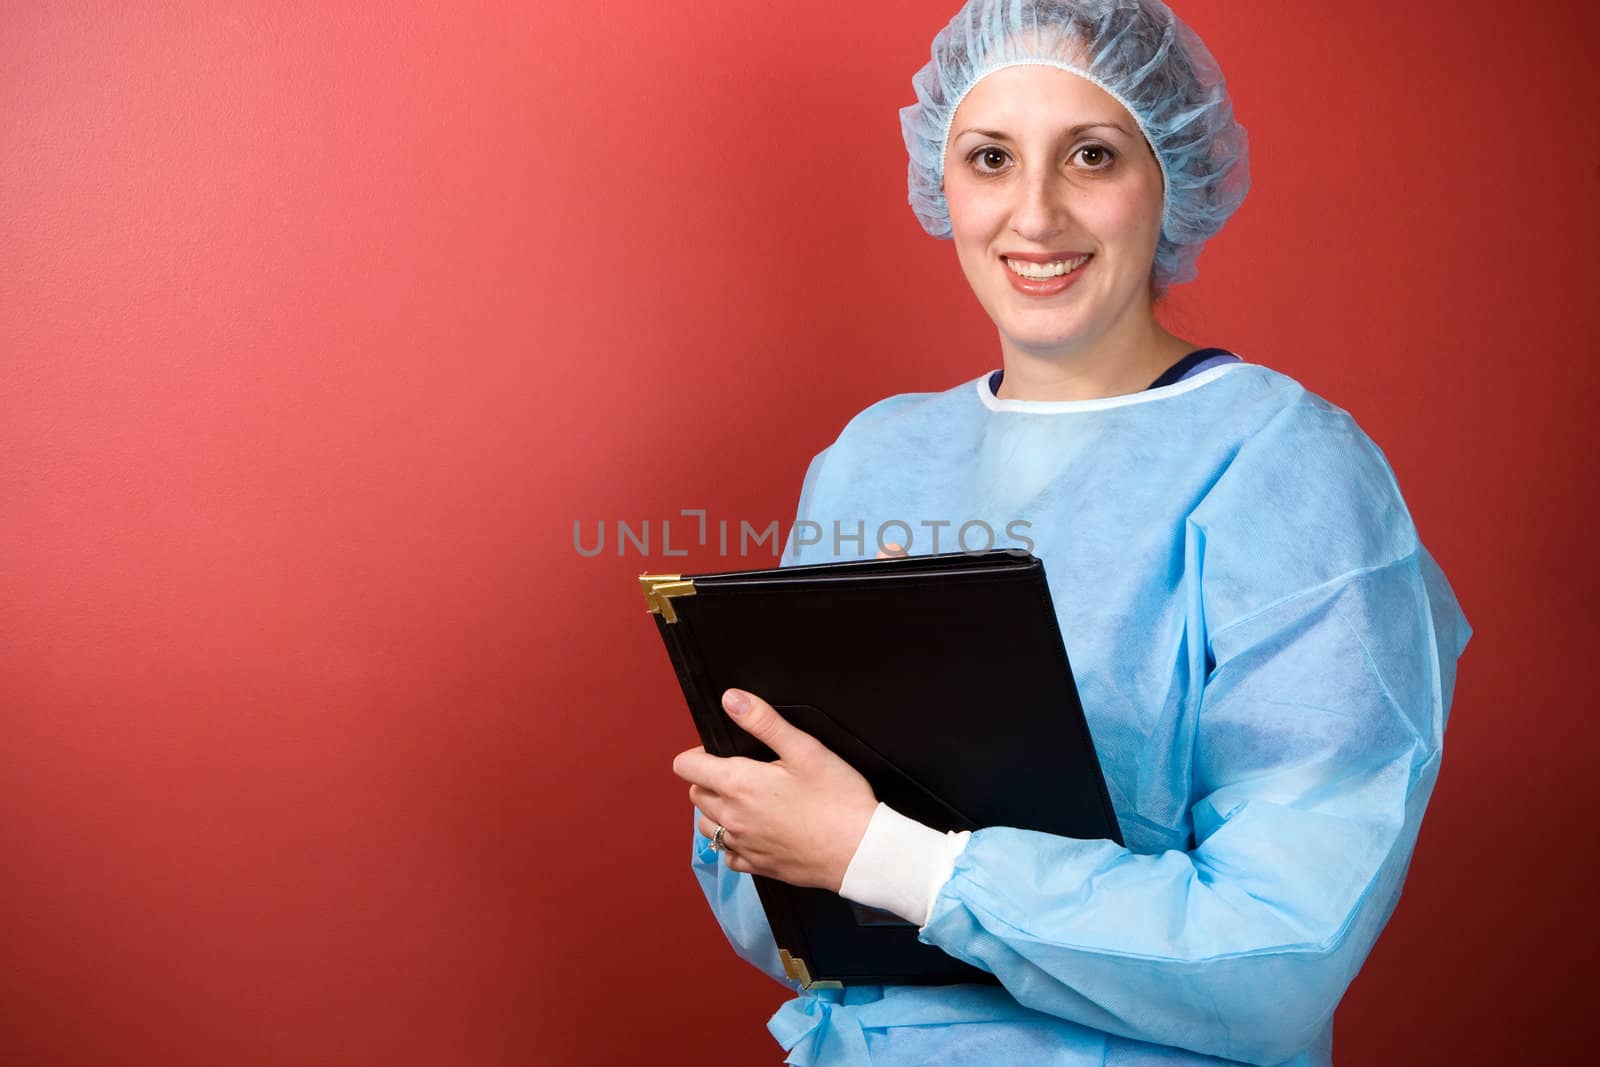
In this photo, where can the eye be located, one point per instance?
(989, 159)
(1094, 156)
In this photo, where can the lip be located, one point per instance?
(1044, 257)
(1047, 286)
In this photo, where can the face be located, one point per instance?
(1055, 206)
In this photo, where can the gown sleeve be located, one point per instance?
(738, 910)
(1314, 749)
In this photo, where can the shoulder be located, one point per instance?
(1274, 425)
(1308, 449)
(888, 425)
(845, 473)
(904, 412)
(1307, 496)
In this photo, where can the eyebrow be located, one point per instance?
(997, 135)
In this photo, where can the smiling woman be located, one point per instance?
(1265, 651)
(1051, 188)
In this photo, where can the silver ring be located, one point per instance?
(717, 844)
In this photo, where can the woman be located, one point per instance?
(1264, 650)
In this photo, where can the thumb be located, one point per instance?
(891, 550)
(760, 721)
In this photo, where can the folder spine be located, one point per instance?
(703, 704)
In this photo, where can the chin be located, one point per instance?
(1046, 340)
(1045, 347)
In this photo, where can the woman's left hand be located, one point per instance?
(798, 819)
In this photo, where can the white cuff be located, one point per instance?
(901, 865)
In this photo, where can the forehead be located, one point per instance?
(1033, 98)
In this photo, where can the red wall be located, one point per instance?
(319, 328)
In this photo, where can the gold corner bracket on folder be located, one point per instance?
(796, 969)
(659, 589)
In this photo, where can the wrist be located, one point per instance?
(863, 823)
(900, 865)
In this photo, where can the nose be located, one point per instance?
(1040, 210)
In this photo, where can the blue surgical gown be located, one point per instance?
(1265, 654)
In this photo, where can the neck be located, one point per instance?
(1122, 361)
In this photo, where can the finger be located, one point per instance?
(758, 719)
(891, 550)
(699, 767)
(708, 828)
(700, 796)
(688, 753)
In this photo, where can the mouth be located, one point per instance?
(1044, 269)
(1040, 275)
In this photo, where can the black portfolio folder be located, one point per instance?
(941, 678)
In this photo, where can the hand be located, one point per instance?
(798, 819)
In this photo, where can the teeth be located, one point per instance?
(1042, 271)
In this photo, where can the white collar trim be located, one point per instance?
(1148, 396)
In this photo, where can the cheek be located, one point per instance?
(1128, 216)
(971, 254)
(974, 219)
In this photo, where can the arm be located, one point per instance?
(1317, 743)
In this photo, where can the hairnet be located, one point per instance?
(1138, 52)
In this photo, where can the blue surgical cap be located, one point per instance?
(1138, 52)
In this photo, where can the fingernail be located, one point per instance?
(737, 701)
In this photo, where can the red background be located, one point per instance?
(321, 325)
